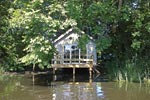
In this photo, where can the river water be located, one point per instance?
(67, 87)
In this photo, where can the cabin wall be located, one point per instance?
(59, 48)
(95, 55)
(72, 40)
(91, 51)
(69, 40)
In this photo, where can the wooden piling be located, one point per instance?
(54, 71)
(90, 73)
(74, 71)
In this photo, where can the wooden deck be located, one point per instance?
(72, 62)
(77, 61)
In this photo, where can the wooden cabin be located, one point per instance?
(69, 55)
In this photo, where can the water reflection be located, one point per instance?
(21, 87)
(78, 91)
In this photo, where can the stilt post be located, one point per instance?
(90, 72)
(74, 71)
(54, 70)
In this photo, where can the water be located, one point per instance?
(21, 87)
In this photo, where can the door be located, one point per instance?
(70, 52)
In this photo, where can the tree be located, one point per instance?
(120, 28)
(5, 44)
(39, 51)
(36, 22)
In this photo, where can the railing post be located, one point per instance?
(62, 58)
(70, 56)
(79, 55)
(55, 57)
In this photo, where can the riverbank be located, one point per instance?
(95, 77)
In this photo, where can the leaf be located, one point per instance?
(136, 44)
(136, 34)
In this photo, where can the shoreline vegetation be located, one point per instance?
(105, 76)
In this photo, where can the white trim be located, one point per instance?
(63, 35)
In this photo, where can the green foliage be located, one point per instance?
(128, 70)
(7, 57)
(118, 28)
(74, 8)
(83, 40)
(136, 44)
(129, 42)
(34, 23)
(39, 51)
(103, 43)
(93, 17)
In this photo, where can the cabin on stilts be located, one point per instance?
(69, 55)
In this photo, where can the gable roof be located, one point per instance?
(69, 32)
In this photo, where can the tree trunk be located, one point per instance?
(139, 78)
(120, 4)
(33, 68)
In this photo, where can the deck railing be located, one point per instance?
(74, 59)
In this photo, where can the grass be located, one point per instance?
(129, 70)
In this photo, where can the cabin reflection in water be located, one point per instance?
(43, 88)
(77, 91)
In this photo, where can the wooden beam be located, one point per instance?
(72, 60)
(72, 65)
